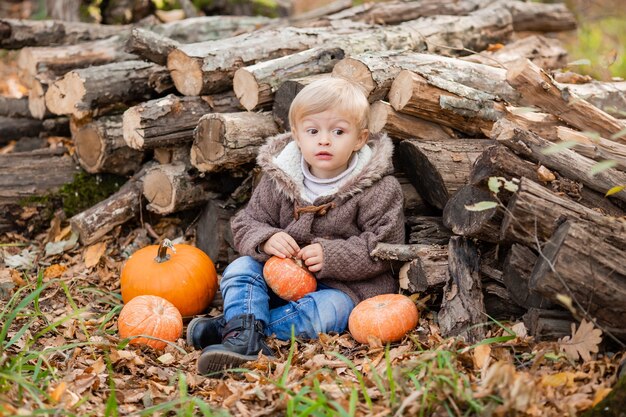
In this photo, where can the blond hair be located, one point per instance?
(340, 94)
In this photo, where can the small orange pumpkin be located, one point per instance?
(186, 277)
(151, 316)
(288, 278)
(388, 317)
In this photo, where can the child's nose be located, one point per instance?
(324, 138)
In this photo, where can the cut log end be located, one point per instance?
(355, 71)
(246, 88)
(132, 131)
(378, 116)
(158, 190)
(186, 73)
(207, 147)
(90, 148)
(63, 95)
(37, 100)
(401, 90)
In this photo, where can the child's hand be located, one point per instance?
(281, 245)
(313, 257)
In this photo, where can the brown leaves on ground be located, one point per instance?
(424, 373)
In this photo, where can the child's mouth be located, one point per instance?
(323, 155)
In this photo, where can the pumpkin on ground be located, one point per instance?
(388, 317)
(186, 277)
(151, 316)
(288, 278)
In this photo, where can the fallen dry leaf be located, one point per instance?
(481, 356)
(582, 343)
(93, 254)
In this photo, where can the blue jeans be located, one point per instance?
(245, 292)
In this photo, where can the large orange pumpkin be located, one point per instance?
(288, 278)
(388, 317)
(151, 316)
(186, 277)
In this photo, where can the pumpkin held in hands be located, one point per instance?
(186, 277)
(388, 317)
(151, 316)
(288, 278)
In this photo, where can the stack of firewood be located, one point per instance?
(503, 166)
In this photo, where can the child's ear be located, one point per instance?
(362, 140)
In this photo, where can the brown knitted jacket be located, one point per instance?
(365, 210)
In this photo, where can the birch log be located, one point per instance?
(226, 141)
(100, 147)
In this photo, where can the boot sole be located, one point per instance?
(217, 361)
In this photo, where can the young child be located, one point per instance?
(327, 197)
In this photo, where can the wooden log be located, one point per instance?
(122, 206)
(596, 148)
(402, 126)
(395, 251)
(16, 34)
(213, 234)
(462, 308)
(150, 45)
(170, 188)
(414, 204)
(16, 127)
(81, 91)
(172, 154)
(498, 302)
(499, 161)
(465, 109)
(226, 141)
(546, 53)
(566, 161)
(206, 28)
(438, 168)
(535, 17)
(206, 67)
(256, 84)
(165, 121)
(580, 263)
(116, 12)
(483, 225)
(607, 96)
(57, 60)
(299, 13)
(543, 124)
(14, 107)
(100, 147)
(285, 94)
(516, 271)
(377, 70)
(548, 325)
(427, 230)
(428, 272)
(537, 88)
(36, 173)
(37, 100)
(534, 213)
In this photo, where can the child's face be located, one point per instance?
(327, 141)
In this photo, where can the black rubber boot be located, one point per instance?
(243, 340)
(205, 331)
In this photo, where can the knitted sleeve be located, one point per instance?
(381, 219)
(258, 221)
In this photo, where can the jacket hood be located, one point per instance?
(280, 159)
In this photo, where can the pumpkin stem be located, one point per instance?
(162, 255)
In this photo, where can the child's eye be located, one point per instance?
(338, 132)
(311, 131)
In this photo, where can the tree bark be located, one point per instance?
(36, 173)
(16, 34)
(206, 28)
(579, 263)
(428, 272)
(81, 91)
(566, 161)
(518, 266)
(213, 234)
(427, 230)
(498, 302)
(483, 225)
(100, 147)
(462, 308)
(534, 213)
(255, 85)
(17, 127)
(170, 188)
(14, 107)
(607, 96)
(548, 325)
(438, 168)
(540, 90)
(122, 206)
(414, 204)
(162, 122)
(598, 149)
(546, 53)
(402, 126)
(284, 96)
(226, 141)
(150, 45)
